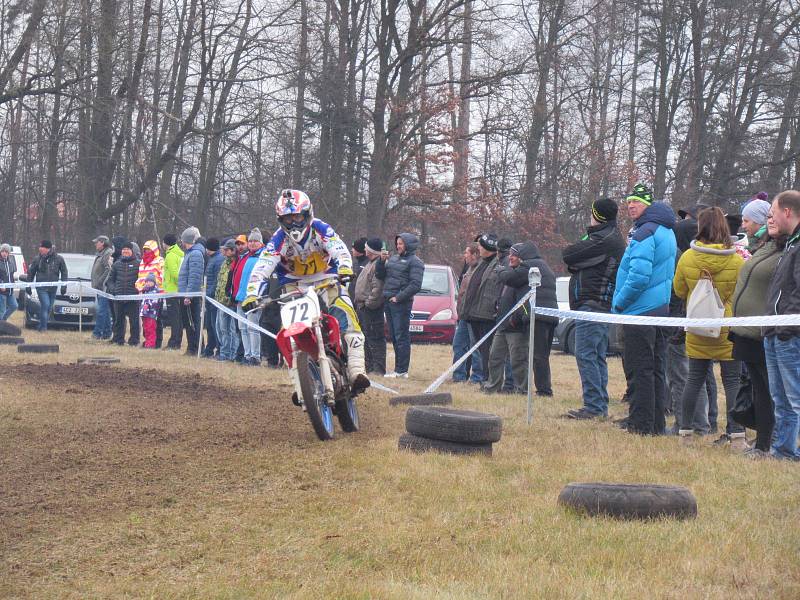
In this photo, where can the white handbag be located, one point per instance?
(705, 303)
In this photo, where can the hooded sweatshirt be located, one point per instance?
(515, 286)
(151, 263)
(403, 272)
(644, 278)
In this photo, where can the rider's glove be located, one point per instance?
(249, 302)
(345, 275)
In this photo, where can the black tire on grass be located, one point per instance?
(7, 328)
(422, 399)
(11, 341)
(627, 501)
(98, 360)
(452, 425)
(415, 443)
(37, 348)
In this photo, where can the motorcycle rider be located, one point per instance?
(305, 250)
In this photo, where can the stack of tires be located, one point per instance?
(450, 431)
(10, 334)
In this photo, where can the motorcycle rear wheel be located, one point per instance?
(319, 413)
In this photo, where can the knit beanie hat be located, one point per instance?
(255, 235)
(190, 235)
(641, 193)
(756, 211)
(604, 210)
(488, 241)
(374, 245)
(170, 239)
(230, 244)
(212, 244)
(46, 244)
(128, 245)
(359, 244)
(504, 245)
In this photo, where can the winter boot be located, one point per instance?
(355, 362)
(686, 436)
(738, 442)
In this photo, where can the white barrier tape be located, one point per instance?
(240, 318)
(383, 388)
(441, 379)
(36, 284)
(159, 296)
(761, 321)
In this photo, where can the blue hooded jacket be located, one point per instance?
(402, 273)
(212, 273)
(190, 277)
(644, 278)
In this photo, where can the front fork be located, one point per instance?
(324, 367)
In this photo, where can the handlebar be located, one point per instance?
(265, 301)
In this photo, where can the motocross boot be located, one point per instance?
(355, 362)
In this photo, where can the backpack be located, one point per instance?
(705, 303)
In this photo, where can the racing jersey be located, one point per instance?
(319, 257)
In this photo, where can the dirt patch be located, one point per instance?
(77, 441)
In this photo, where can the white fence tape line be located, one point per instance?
(769, 320)
(441, 379)
(383, 388)
(228, 311)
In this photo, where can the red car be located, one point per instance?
(433, 314)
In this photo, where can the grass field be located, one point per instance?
(166, 477)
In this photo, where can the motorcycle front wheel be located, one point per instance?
(319, 413)
(347, 412)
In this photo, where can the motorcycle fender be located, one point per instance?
(303, 337)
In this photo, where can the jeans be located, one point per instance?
(463, 340)
(479, 329)
(762, 404)
(212, 340)
(47, 296)
(251, 338)
(698, 372)
(173, 321)
(398, 315)
(784, 385)
(542, 344)
(8, 304)
(375, 339)
(505, 345)
(102, 319)
(126, 309)
(677, 372)
(228, 335)
(190, 318)
(645, 357)
(591, 344)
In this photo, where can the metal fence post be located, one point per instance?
(534, 280)
(202, 317)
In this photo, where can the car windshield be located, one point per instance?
(435, 283)
(79, 267)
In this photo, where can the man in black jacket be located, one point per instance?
(782, 343)
(593, 263)
(122, 282)
(511, 338)
(48, 266)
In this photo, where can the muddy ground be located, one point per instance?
(81, 441)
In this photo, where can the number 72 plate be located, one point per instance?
(302, 310)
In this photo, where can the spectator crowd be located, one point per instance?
(695, 264)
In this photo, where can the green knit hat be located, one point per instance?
(641, 193)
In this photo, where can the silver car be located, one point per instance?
(75, 304)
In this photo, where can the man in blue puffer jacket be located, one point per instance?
(190, 279)
(643, 287)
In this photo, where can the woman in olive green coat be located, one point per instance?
(713, 252)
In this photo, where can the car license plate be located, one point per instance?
(72, 310)
(416, 328)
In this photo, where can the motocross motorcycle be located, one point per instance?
(310, 342)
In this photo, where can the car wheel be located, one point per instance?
(569, 345)
(626, 501)
(451, 425)
(418, 444)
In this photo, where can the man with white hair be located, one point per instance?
(8, 303)
(190, 279)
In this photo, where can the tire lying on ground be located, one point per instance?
(415, 443)
(11, 341)
(37, 348)
(7, 328)
(422, 399)
(452, 425)
(626, 501)
(98, 360)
